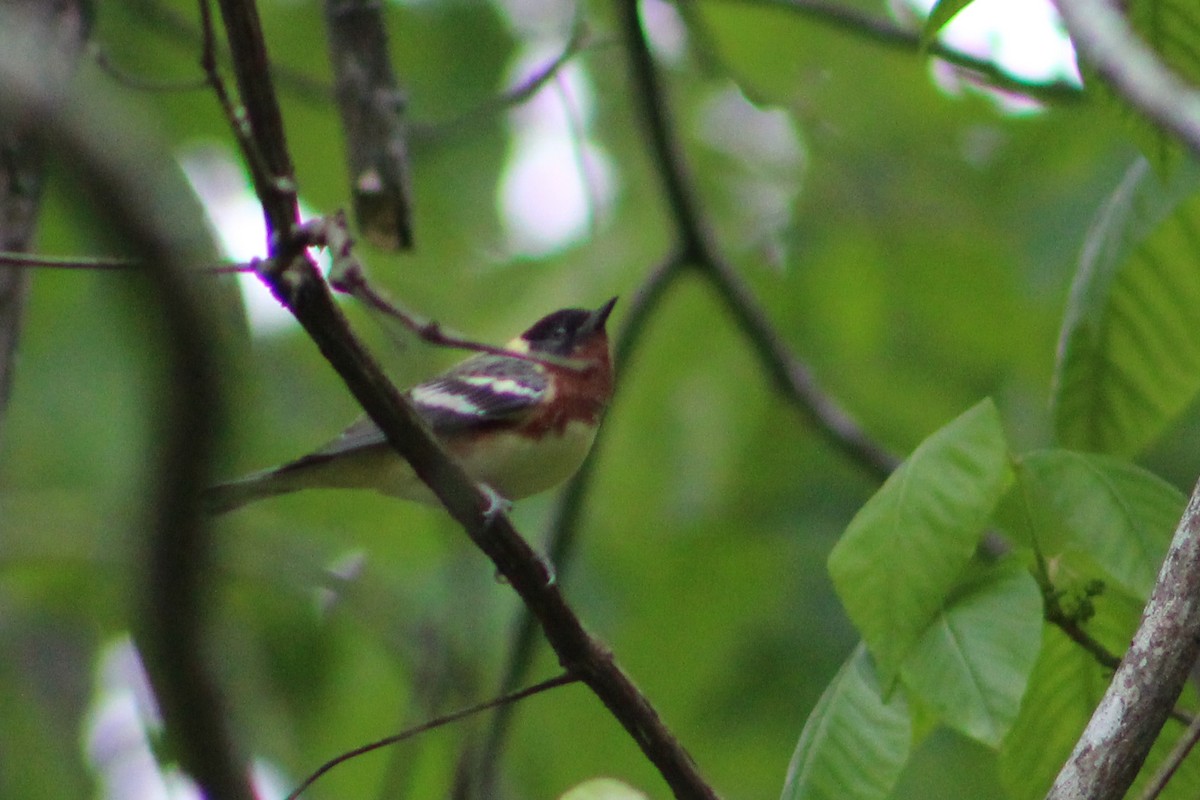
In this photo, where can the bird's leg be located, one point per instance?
(497, 504)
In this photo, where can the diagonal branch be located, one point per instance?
(578, 651)
(296, 283)
(504, 701)
(1143, 691)
(1125, 724)
(1131, 68)
(1166, 770)
(274, 178)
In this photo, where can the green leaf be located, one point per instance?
(939, 16)
(972, 664)
(603, 789)
(904, 551)
(1109, 511)
(855, 743)
(757, 44)
(1063, 689)
(1129, 353)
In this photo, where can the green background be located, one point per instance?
(922, 264)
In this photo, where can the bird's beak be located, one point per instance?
(598, 317)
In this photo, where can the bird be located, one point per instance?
(518, 426)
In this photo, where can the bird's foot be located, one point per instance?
(497, 504)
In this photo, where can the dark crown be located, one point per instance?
(561, 331)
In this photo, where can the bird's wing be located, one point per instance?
(481, 390)
(362, 433)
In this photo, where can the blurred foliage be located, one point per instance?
(914, 246)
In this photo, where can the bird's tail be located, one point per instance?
(373, 466)
(225, 497)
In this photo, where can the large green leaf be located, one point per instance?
(1129, 353)
(1063, 689)
(757, 44)
(972, 664)
(904, 551)
(1112, 512)
(855, 743)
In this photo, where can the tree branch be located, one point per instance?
(886, 32)
(296, 283)
(1132, 69)
(790, 375)
(115, 170)
(371, 105)
(19, 260)
(61, 27)
(274, 178)
(503, 701)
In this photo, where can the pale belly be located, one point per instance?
(514, 466)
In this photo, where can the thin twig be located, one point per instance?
(431, 331)
(1054, 613)
(387, 741)
(437, 130)
(885, 32)
(235, 114)
(102, 263)
(1071, 627)
(348, 276)
(1071, 624)
(790, 375)
(1174, 759)
(35, 261)
(258, 125)
(563, 528)
(109, 67)
(166, 21)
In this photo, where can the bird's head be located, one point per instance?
(569, 333)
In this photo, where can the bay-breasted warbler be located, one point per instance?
(518, 426)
